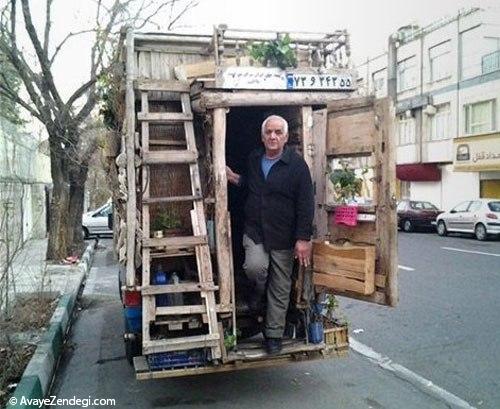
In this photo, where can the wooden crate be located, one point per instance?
(337, 337)
(345, 268)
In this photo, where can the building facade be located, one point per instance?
(446, 87)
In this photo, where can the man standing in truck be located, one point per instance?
(278, 223)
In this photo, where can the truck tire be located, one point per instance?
(132, 348)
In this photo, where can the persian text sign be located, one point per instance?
(477, 152)
(277, 79)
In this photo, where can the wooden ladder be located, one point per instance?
(199, 240)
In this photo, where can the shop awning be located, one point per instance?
(419, 172)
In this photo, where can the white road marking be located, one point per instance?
(404, 373)
(471, 251)
(406, 268)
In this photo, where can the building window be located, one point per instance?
(405, 189)
(379, 80)
(490, 61)
(407, 74)
(479, 117)
(406, 130)
(440, 123)
(470, 53)
(440, 62)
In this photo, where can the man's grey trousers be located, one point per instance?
(271, 270)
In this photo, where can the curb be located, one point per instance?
(37, 376)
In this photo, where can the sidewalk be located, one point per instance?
(32, 274)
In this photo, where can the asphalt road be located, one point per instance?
(444, 330)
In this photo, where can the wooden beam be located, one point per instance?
(222, 242)
(164, 117)
(145, 84)
(179, 344)
(386, 219)
(350, 104)
(130, 154)
(171, 199)
(178, 288)
(320, 119)
(217, 99)
(161, 157)
(175, 242)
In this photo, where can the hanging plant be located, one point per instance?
(274, 53)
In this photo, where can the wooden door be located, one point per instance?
(361, 261)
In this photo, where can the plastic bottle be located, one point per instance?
(161, 278)
(177, 298)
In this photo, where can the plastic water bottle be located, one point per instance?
(177, 298)
(161, 278)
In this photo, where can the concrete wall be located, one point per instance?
(24, 176)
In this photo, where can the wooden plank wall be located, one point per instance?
(364, 127)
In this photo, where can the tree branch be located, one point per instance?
(46, 36)
(14, 96)
(65, 39)
(190, 5)
(48, 79)
(80, 91)
(148, 19)
(27, 77)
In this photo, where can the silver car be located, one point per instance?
(480, 217)
(95, 222)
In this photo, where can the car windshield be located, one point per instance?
(494, 206)
(422, 206)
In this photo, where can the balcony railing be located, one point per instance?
(491, 62)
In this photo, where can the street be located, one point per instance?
(445, 330)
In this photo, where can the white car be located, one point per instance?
(95, 222)
(480, 217)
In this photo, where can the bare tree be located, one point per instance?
(64, 119)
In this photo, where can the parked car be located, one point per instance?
(480, 217)
(95, 222)
(413, 214)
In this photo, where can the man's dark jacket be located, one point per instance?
(279, 210)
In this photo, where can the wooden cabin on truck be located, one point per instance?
(194, 104)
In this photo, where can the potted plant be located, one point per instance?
(275, 53)
(346, 185)
(166, 223)
(335, 324)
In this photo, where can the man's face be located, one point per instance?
(274, 138)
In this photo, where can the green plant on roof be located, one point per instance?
(274, 53)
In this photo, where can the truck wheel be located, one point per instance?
(407, 226)
(441, 228)
(132, 348)
(480, 232)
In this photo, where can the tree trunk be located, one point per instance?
(59, 205)
(77, 191)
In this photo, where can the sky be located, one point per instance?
(369, 23)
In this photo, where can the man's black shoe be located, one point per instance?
(273, 345)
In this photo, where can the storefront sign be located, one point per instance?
(412, 103)
(277, 79)
(475, 153)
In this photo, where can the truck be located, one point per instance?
(192, 104)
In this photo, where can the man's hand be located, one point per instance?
(232, 177)
(303, 252)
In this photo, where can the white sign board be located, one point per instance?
(277, 79)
